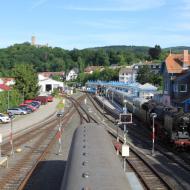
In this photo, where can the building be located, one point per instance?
(52, 74)
(134, 89)
(4, 87)
(91, 69)
(154, 67)
(7, 81)
(47, 85)
(33, 43)
(72, 74)
(127, 74)
(176, 75)
(33, 40)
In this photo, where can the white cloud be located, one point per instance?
(117, 5)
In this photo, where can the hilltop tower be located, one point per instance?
(33, 40)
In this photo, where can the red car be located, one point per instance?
(50, 98)
(30, 106)
(42, 99)
(28, 101)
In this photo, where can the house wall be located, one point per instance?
(181, 87)
(71, 75)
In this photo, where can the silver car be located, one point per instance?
(16, 111)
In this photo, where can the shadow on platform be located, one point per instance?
(48, 175)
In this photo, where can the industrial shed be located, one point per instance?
(48, 84)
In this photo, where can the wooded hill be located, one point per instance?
(58, 59)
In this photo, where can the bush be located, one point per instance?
(9, 99)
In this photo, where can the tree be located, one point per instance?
(26, 81)
(144, 75)
(155, 52)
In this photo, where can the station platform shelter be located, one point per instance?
(135, 89)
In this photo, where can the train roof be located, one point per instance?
(140, 101)
(92, 162)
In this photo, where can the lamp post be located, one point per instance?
(8, 100)
(153, 115)
(125, 111)
(11, 133)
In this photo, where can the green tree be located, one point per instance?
(26, 81)
(144, 75)
(155, 52)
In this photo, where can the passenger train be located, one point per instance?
(93, 163)
(171, 124)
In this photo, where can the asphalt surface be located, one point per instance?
(26, 121)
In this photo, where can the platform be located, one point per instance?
(4, 160)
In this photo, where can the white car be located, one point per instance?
(4, 118)
(16, 111)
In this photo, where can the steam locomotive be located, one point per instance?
(171, 124)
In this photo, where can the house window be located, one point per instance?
(182, 87)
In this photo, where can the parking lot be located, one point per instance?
(25, 121)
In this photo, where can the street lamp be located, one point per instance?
(153, 115)
(11, 115)
(8, 100)
(125, 111)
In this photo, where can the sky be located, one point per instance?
(84, 23)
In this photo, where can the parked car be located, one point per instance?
(26, 108)
(4, 118)
(29, 105)
(27, 101)
(42, 99)
(35, 104)
(16, 111)
(50, 98)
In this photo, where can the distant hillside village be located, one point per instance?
(57, 68)
(175, 72)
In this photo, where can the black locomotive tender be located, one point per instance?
(171, 124)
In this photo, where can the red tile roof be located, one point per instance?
(174, 63)
(4, 87)
(48, 74)
(92, 68)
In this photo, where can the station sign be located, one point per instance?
(125, 118)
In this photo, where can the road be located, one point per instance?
(26, 121)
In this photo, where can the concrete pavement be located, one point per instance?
(25, 121)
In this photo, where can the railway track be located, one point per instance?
(84, 115)
(183, 162)
(43, 137)
(149, 176)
